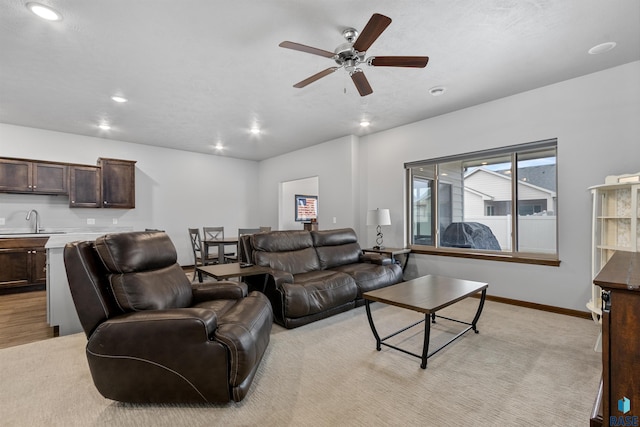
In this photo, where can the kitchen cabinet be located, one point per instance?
(27, 176)
(109, 184)
(23, 262)
(118, 183)
(85, 186)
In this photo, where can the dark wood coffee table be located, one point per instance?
(427, 295)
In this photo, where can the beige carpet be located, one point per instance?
(524, 368)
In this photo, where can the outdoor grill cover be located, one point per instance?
(469, 235)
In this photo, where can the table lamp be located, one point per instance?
(378, 217)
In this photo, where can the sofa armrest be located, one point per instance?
(136, 332)
(219, 290)
(372, 258)
(280, 277)
(245, 329)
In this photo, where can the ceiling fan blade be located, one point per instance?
(307, 49)
(361, 82)
(376, 25)
(315, 77)
(399, 61)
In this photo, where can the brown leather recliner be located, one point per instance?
(152, 337)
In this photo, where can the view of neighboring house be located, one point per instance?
(488, 193)
(482, 195)
(487, 200)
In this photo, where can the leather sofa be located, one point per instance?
(316, 274)
(152, 337)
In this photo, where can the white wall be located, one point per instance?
(333, 163)
(594, 118)
(288, 191)
(174, 189)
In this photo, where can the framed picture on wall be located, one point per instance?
(306, 208)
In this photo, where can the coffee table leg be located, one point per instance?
(425, 347)
(477, 316)
(373, 328)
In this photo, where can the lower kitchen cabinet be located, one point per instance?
(23, 262)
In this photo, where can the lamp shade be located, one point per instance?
(378, 217)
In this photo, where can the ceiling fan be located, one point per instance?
(351, 54)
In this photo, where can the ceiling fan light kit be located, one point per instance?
(352, 54)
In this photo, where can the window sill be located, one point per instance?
(536, 259)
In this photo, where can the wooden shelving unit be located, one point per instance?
(615, 227)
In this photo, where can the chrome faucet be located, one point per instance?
(37, 219)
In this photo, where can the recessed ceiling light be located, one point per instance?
(364, 123)
(255, 131)
(104, 126)
(119, 99)
(44, 12)
(601, 48)
(219, 146)
(437, 91)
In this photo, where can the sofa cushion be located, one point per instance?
(282, 241)
(336, 247)
(290, 251)
(136, 251)
(143, 272)
(307, 298)
(372, 276)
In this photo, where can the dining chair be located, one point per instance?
(198, 254)
(213, 234)
(242, 256)
(243, 231)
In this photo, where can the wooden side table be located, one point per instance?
(229, 270)
(392, 252)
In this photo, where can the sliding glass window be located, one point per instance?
(495, 204)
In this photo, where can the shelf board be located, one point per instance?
(615, 248)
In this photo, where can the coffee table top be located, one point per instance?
(426, 294)
(233, 269)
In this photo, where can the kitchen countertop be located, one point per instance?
(59, 237)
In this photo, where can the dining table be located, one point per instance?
(220, 244)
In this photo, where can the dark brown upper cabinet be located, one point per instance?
(84, 186)
(118, 183)
(26, 176)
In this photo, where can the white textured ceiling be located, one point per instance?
(198, 72)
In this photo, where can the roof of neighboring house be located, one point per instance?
(522, 181)
(541, 176)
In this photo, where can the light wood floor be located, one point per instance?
(23, 318)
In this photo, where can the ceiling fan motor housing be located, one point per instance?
(345, 53)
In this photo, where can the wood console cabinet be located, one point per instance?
(26, 176)
(23, 262)
(118, 183)
(620, 283)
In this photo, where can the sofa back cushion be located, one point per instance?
(290, 251)
(336, 247)
(143, 271)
